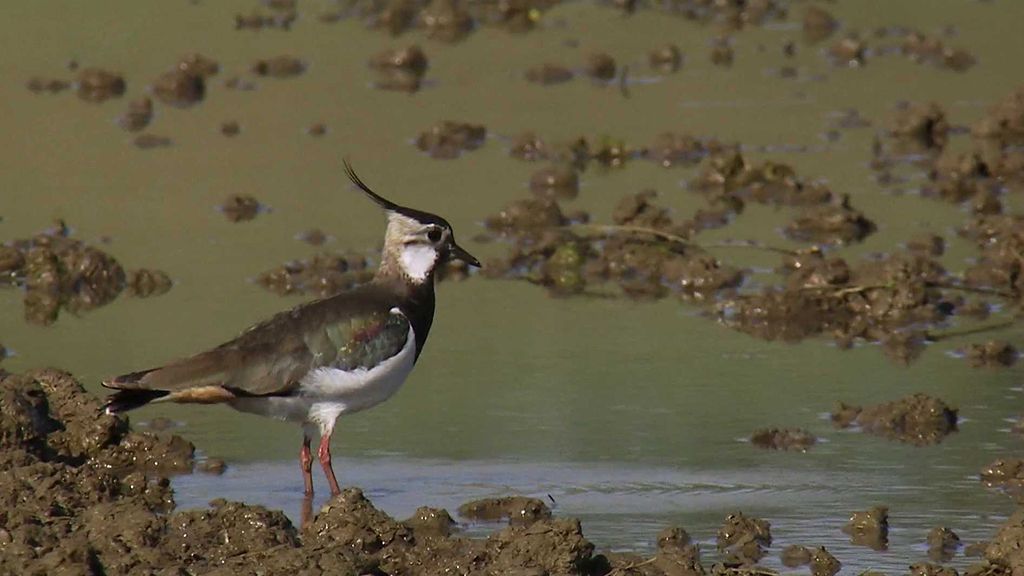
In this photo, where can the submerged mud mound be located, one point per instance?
(59, 272)
(916, 419)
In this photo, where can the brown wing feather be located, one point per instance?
(268, 358)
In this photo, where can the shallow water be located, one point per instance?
(628, 414)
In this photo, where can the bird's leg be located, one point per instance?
(306, 463)
(307, 510)
(325, 460)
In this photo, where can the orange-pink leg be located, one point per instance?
(306, 463)
(325, 461)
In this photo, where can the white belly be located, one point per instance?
(326, 393)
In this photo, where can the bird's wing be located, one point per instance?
(349, 331)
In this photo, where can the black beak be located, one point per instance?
(460, 253)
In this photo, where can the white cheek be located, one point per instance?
(418, 260)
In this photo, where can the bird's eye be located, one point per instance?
(434, 235)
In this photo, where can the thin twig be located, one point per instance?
(972, 289)
(969, 331)
(631, 566)
(848, 290)
(612, 228)
(754, 246)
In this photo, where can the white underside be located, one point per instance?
(326, 393)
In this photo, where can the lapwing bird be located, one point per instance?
(325, 358)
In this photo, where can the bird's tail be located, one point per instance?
(127, 396)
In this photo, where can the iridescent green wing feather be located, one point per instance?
(361, 341)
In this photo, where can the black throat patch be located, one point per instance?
(418, 307)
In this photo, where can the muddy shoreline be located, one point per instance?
(86, 494)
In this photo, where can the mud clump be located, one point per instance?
(559, 181)
(447, 140)
(991, 354)
(549, 74)
(926, 569)
(1004, 123)
(921, 124)
(890, 300)
(942, 544)
(599, 66)
(214, 466)
(836, 223)
(742, 539)
(869, 528)
(401, 69)
(818, 24)
(350, 523)
(644, 253)
(98, 85)
(59, 272)
(322, 275)
(823, 563)
(144, 283)
(180, 88)
(526, 216)
(722, 52)
(924, 49)
(314, 237)
(1005, 474)
(794, 555)
(138, 115)
(917, 419)
(725, 171)
(258, 20)
(787, 439)
(429, 522)
(849, 51)
(665, 59)
(230, 128)
(241, 208)
(151, 141)
(672, 149)
(446, 20)
(40, 85)
(279, 67)
(226, 530)
(198, 65)
(519, 510)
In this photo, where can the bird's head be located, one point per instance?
(416, 242)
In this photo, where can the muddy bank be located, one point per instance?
(83, 493)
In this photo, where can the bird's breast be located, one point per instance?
(360, 388)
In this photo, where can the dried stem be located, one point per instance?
(949, 334)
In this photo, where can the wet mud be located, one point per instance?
(869, 528)
(241, 208)
(84, 493)
(917, 419)
(901, 299)
(788, 439)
